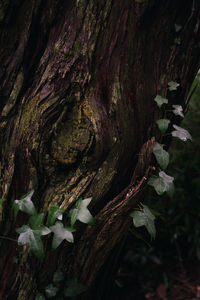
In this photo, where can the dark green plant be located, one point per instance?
(32, 232)
(162, 182)
(177, 242)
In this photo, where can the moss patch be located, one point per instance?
(74, 138)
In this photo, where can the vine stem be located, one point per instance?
(7, 238)
(168, 110)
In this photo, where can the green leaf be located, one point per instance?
(73, 214)
(60, 234)
(150, 221)
(2, 200)
(171, 190)
(15, 209)
(161, 184)
(74, 288)
(173, 85)
(60, 217)
(181, 133)
(81, 212)
(36, 223)
(177, 41)
(39, 296)
(145, 218)
(31, 234)
(15, 259)
(157, 183)
(163, 124)
(55, 213)
(58, 276)
(177, 27)
(25, 205)
(161, 155)
(178, 110)
(51, 291)
(160, 100)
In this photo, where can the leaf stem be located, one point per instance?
(7, 238)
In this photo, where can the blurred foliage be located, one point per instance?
(181, 213)
(178, 218)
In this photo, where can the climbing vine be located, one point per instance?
(162, 182)
(32, 232)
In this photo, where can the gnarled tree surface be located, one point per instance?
(77, 86)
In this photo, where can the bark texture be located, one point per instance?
(77, 84)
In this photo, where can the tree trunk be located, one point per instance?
(77, 91)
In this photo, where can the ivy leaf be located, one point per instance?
(160, 100)
(173, 85)
(74, 288)
(161, 184)
(15, 209)
(157, 183)
(2, 200)
(60, 217)
(58, 276)
(60, 234)
(171, 190)
(51, 291)
(31, 234)
(39, 296)
(177, 27)
(81, 212)
(178, 110)
(73, 214)
(181, 133)
(36, 223)
(24, 204)
(163, 124)
(161, 155)
(145, 218)
(55, 213)
(177, 41)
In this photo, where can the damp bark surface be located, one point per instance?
(77, 86)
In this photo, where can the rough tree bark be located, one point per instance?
(77, 84)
